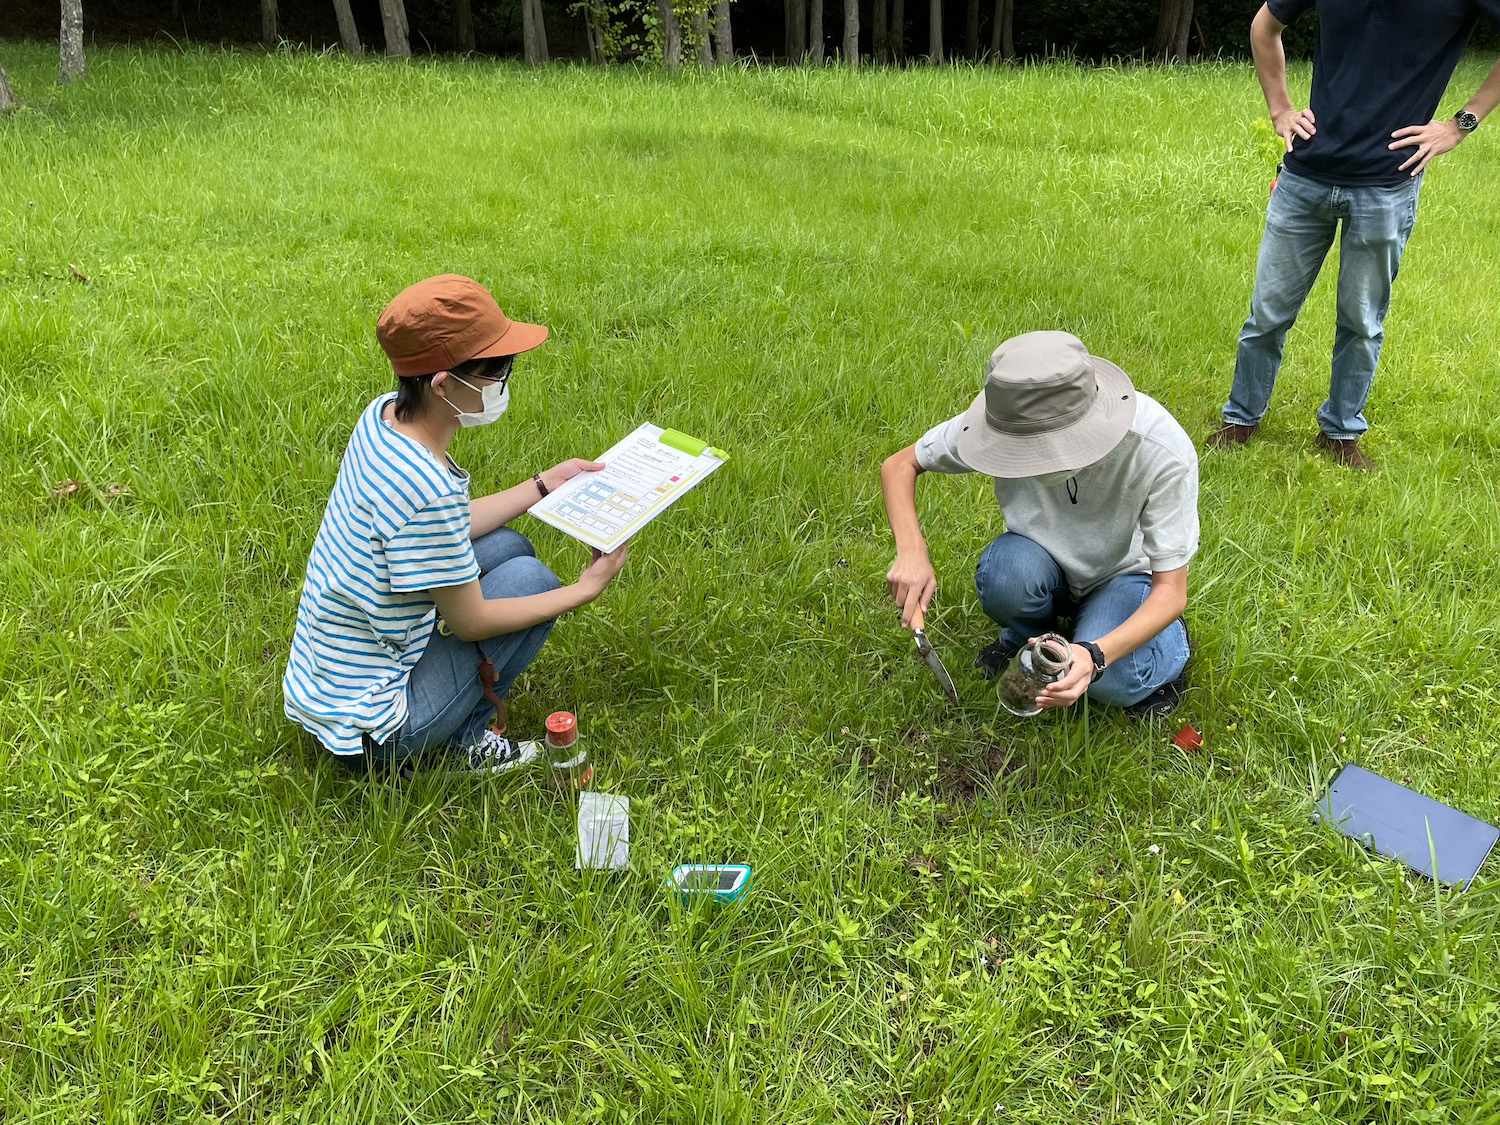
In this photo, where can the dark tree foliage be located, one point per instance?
(1084, 29)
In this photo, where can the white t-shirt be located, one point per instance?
(1133, 511)
(396, 527)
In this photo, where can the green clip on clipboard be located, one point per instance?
(690, 445)
(643, 475)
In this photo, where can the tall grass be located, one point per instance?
(957, 917)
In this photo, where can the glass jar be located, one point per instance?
(1041, 662)
(571, 768)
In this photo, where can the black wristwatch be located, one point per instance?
(1467, 122)
(1098, 656)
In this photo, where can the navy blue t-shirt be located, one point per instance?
(1381, 65)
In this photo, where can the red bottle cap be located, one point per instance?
(1188, 740)
(562, 729)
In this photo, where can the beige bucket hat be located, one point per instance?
(1047, 406)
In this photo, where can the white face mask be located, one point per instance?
(1050, 479)
(495, 398)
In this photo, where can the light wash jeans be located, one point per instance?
(1300, 224)
(1021, 587)
(446, 705)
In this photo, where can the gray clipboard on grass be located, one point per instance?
(1404, 825)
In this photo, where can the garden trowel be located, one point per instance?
(930, 657)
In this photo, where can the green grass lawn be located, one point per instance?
(957, 916)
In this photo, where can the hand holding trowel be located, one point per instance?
(930, 657)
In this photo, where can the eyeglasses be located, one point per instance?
(497, 371)
(501, 372)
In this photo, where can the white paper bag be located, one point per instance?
(603, 831)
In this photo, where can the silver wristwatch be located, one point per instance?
(1466, 121)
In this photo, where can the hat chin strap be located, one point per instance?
(1054, 478)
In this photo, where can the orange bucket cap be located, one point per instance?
(446, 320)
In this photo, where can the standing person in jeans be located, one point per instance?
(1099, 488)
(1355, 157)
(374, 675)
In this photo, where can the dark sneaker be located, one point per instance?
(1346, 452)
(992, 660)
(1163, 701)
(497, 753)
(1230, 436)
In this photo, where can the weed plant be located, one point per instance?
(957, 916)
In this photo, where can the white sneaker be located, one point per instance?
(496, 753)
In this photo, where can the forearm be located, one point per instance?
(1483, 103)
(1163, 605)
(1270, 62)
(494, 617)
(499, 508)
(898, 486)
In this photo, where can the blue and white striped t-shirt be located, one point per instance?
(397, 525)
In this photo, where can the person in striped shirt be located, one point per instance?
(420, 607)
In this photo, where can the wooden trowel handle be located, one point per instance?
(917, 619)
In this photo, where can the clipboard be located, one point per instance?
(644, 474)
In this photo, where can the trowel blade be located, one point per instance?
(932, 660)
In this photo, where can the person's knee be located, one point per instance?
(1123, 683)
(1264, 322)
(1132, 678)
(1270, 313)
(1015, 577)
(500, 547)
(1363, 315)
(518, 578)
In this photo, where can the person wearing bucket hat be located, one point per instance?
(1098, 485)
(411, 587)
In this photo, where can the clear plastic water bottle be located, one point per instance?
(571, 768)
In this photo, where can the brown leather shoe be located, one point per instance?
(1230, 436)
(1346, 452)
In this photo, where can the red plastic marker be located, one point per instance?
(1188, 740)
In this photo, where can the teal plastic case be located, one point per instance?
(722, 882)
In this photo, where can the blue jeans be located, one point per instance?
(1300, 225)
(1022, 588)
(446, 705)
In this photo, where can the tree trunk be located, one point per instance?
(879, 34)
(7, 99)
(533, 32)
(815, 34)
(702, 45)
(1002, 35)
(348, 29)
(723, 33)
(592, 33)
(1172, 30)
(896, 40)
(796, 30)
(541, 31)
(851, 32)
(393, 17)
(971, 31)
(935, 31)
(268, 15)
(74, 68)
(463, 26)
(671, 34)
